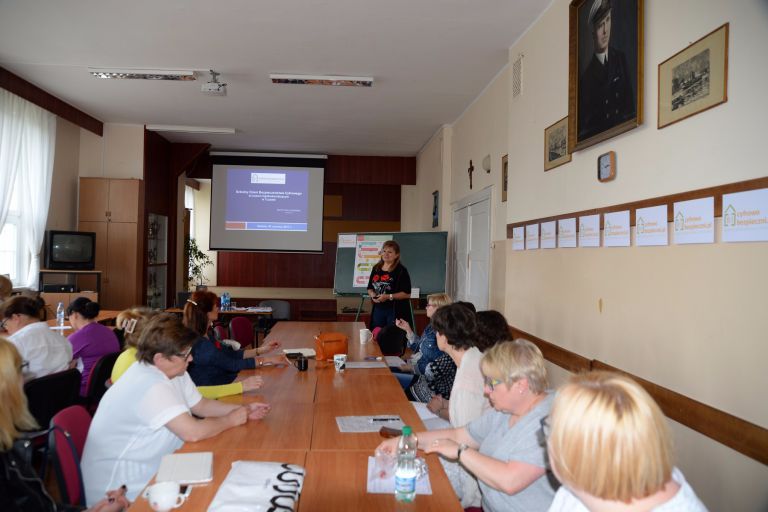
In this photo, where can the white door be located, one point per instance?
(471, 250)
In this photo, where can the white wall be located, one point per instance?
(416, 200)
(691, 318)
(62, 209)
(118, 154)
(202, 228)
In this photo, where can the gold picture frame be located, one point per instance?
(605, 85)
(556, 150)
(694, 79)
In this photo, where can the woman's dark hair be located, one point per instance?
(457, 323)
(467, 305)
(166, 335)
(85, 307)
(389, 244)
(492, 328)
(196, 311)
(22, 305)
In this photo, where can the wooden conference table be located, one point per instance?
(301, 429)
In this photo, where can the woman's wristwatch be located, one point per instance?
(462, 447)
(391, 297)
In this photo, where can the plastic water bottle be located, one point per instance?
(406, 470)
(60, 314)
(225, 301)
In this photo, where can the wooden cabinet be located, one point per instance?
(112, 208)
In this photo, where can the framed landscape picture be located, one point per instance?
(694, 79)
(605, 70)
(556, 145)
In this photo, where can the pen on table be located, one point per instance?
(385, 419)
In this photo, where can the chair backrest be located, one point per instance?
(281, 309)
(50, 394)
(181, 299)
(69, 429)
(241, 330)
(221, 332)
(97, 380)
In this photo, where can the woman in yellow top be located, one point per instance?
(133, 321)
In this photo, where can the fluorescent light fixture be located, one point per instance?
(347, 81)
(188, 129)
(143, 74)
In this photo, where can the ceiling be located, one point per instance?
(429, 58)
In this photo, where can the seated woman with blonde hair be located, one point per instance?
(20, 486)
(132, 322)
(610, 446)
(502, 448)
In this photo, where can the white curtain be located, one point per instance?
(11, 108)
(31, 143)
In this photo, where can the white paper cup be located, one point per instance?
(365, 335)
(164, 496)
(340, 362)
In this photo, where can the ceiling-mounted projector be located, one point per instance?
(213, 86)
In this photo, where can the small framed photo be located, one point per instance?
(605, 70)
(504, 177)
(694, 79)
(556, 144)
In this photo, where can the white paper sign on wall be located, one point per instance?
(616, 229)
(532, 236)
(651, 226)
(518, 239)
(589, 231)
(745, 216)
(548, 235)
(694, 221)
(566, 232)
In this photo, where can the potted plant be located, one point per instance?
(197, 261)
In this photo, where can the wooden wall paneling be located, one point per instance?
(94, 197)
(391, 170)
(158, 176)
(332, 228)
(332, 205)
(741, 435)
(49, 102)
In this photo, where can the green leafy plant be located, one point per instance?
(197, 260)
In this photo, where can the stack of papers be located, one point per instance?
(360, 424)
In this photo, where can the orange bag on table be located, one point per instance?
(328, 344)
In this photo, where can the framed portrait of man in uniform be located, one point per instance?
(605, 75)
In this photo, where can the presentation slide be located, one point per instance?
(267, 208)
(267, 200)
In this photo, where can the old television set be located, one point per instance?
(70, 250)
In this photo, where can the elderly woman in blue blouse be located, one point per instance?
(424, 347)
(215, 362)
(503, 447)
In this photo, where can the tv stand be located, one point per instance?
(45, 271)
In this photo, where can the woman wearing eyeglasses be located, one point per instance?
(46, 350)
(148, 413)
(502, 448)
(610, 446)
(424, 347)
(216, 362)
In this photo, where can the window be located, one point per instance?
(11, 262)
(189, 204)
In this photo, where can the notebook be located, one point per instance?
(186, 468)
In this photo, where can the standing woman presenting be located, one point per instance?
(389, 287)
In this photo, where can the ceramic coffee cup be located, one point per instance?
(340, 362)
(164, 496)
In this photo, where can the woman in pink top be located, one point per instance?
(91, 340)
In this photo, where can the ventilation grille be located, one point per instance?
(517, 77)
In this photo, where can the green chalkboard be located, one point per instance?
(424, 254)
